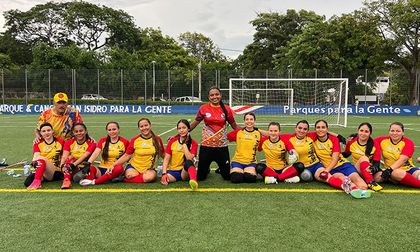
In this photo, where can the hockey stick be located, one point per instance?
(23, 162)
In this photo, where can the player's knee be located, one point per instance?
(29, 179)
(188, 164)
(78, 177)
(250, 178)
(260, 168)
(299, 167)
(236, 177)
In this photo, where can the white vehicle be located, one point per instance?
(188, 99)
(93, 97)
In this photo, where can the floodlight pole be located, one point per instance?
(154, 80)
(199, 80)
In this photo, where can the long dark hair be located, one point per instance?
(303, 121)
(370, 143)
(321, 120)
(222, 105)
(108, 140)
(187, 123)
(398, 124)
(156, 143)
(274, 124)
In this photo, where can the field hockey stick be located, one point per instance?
(23, 162)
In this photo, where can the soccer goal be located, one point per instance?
(291, 99)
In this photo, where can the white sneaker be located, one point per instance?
(294, 179)
(270, 180)
(86, 182)
(346, 185)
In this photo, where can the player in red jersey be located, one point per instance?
(46, 160)
(213, 145)
(75, 152)
(397, 151)
(61, 116)
(142, 154)
(180, 153)
(365, 154)
(276, 150)
(112, 148)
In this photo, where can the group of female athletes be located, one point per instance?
(315, 154)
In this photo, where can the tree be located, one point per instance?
(61, 24)
(399, 23)
(201, 47)
(349, 42)
(19, 53)
(274, 30)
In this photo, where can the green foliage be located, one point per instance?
(19, 53)
(201, 47)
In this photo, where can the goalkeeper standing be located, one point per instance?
(216, 116)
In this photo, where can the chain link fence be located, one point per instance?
(164, 86)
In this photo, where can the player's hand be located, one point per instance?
(86, 169)
(36, 140)
(109, 170)
(387, 174)
(323, 175)
(164, 179)
(34, 164)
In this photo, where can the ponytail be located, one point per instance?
(106, 149)
(158, 148)
(369, 147)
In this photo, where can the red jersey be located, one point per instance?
(214, 129)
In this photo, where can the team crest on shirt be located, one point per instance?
(75, 147)
(358, 151)
(320, 146)
(223, 116)
(46, 148)
(208, 115)
(143, 144)
(179, 147)
(297, 142)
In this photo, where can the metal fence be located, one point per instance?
(152, 85)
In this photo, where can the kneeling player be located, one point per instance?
(180, 152)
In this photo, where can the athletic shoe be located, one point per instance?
(35, 184)
(375, 186)
(66, 184)
(360, 194)
(346, 185)
(294, 179)
(193, 184)
(86, 182)
(270, 180)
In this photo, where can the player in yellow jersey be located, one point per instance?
(142, 154)
(365, 154)
(277, 166)
(397, 151)
(112, 147)
(247, 141)
(178, 164)
(46, 160)
(327, 148)
(76, 151)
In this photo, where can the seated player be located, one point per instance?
(397, 151)
(112, 148)
(365, 154)
(178, 164)
(142, 153)
(76, 150)
(275, 148)
(46, 160)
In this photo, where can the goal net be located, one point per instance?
(291, 100)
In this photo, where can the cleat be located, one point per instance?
(193, 184)
(360, 194)
(66, 184)
(86, 182)
(35, 184)
(346, 185)
(375, 186)
(270, 180)
(294, 179)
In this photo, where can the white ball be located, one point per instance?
(306, 176)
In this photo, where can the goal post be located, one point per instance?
(293, 99)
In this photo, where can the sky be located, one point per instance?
(226, 22)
